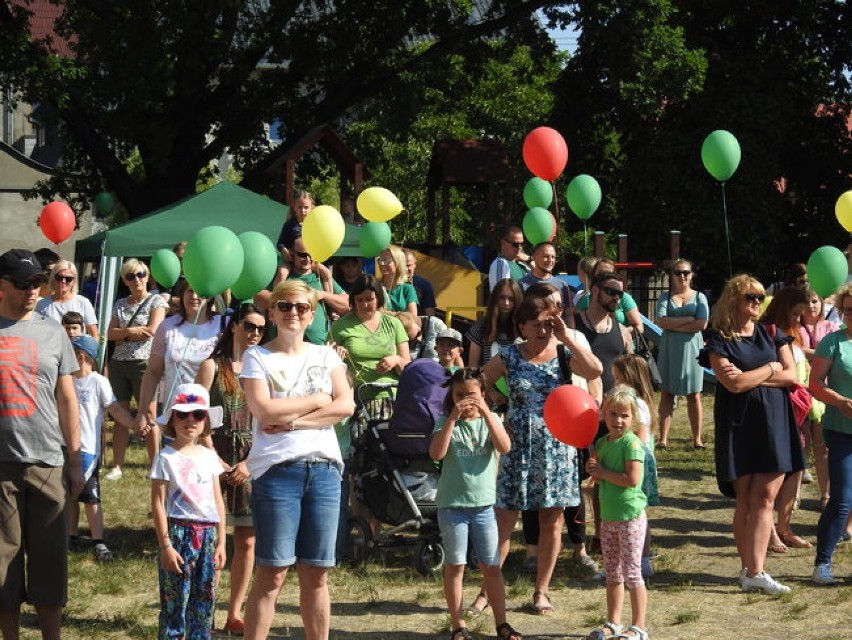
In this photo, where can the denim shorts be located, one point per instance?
(295, 506)
(477, 524)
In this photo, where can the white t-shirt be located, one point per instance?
(183, 348)
(94, 395)
(291, 377)
(55, 310)
(190, 495)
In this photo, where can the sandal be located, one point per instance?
(792, 540)
(506, 632)
(461, 632)
(601, 634)
(538, 607)
(475, 611)
(635, 633)
(777, 547)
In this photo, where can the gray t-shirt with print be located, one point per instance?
(33, 354)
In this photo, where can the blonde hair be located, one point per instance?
(64, 265)
(290, 288)
(621, 396)
(722, 314)
(132, 265)
(409, 321)
(845, 291)
(636, 374)
(399, 262)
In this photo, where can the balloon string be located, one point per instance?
(183, 356)
(727, 232)
(555, 202)
(585, 238)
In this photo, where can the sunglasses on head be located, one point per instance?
(251, 327)
(613, 292)
(27, 285)
(65, 279)
(755, 297)
(198, 414)
(139, 275)
(302, 254)
(681, 272)
(286, 307)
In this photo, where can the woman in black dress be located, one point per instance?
(756, 438)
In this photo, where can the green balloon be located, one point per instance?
(259, 265)
(165, 267)
(583, 195)
(827, 270)
(375, 238)
(502, 386)
(104, 204)
(721, 154)
(538, 193)
(213, 260)
(538, 225)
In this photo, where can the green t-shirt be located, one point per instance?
(619, 504)
(627, 303)
(837, 348)
(365, 348)
(317, 333)
(469, 471)
(400, 297)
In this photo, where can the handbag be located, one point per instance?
(642, 349)
(800, 398)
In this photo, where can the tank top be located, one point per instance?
(606, 346)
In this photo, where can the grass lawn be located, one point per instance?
(692, 595)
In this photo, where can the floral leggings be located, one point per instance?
(187, 600)
(621, 543)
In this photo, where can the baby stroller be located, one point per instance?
(392, 472)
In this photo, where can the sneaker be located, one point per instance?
(586, 562)
(114, 474)
(807, 478)
(846, 537)
(102, 553)
(764, 582)
(822, 575)
(601, 575)
(742, 576)
(647, 569)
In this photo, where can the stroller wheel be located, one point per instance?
(361, 537)
(430, 557)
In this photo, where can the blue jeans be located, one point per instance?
(832, 522)
(479, 525)
(295, 507)
(344, 542)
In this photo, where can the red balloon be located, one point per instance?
(545, 153)
(571, 415)
(57, 222)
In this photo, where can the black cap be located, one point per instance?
(20, 265)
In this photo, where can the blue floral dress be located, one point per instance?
(539, 472)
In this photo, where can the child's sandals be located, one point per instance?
(506, 632)
(634, 633)
(601, 634)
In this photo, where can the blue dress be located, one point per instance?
(679, 368)
(755, 430)
(539, 471)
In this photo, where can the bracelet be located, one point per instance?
(771, 371)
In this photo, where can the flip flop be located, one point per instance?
(793, 541)
(777, 548)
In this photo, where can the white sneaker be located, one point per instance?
(763, 582)
(822, 575)
(114, 474)
(742, 576)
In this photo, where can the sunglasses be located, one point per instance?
(65, 279)
(27, 285)
(385, 261)
(681, 272)
(251, 327)
(303, 255)
(139, 275)
(198, 414)
(286, 307)
(517, 245)
(613, 292)
(754, 297)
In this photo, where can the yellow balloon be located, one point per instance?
(377, 204)
(322, 232)
(843, 210)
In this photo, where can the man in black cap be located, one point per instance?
(39, 416)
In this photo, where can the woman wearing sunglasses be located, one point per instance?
(296, 391)
(64, 297)
(757, 441)
(682, 314)
(134, 321)
(220, 375)
(400, 295)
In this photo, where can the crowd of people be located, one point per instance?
(246, 414)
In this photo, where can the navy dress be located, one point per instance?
(755, 430)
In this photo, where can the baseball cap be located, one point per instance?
(449, 334)
(20, 265)
(87, 344)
